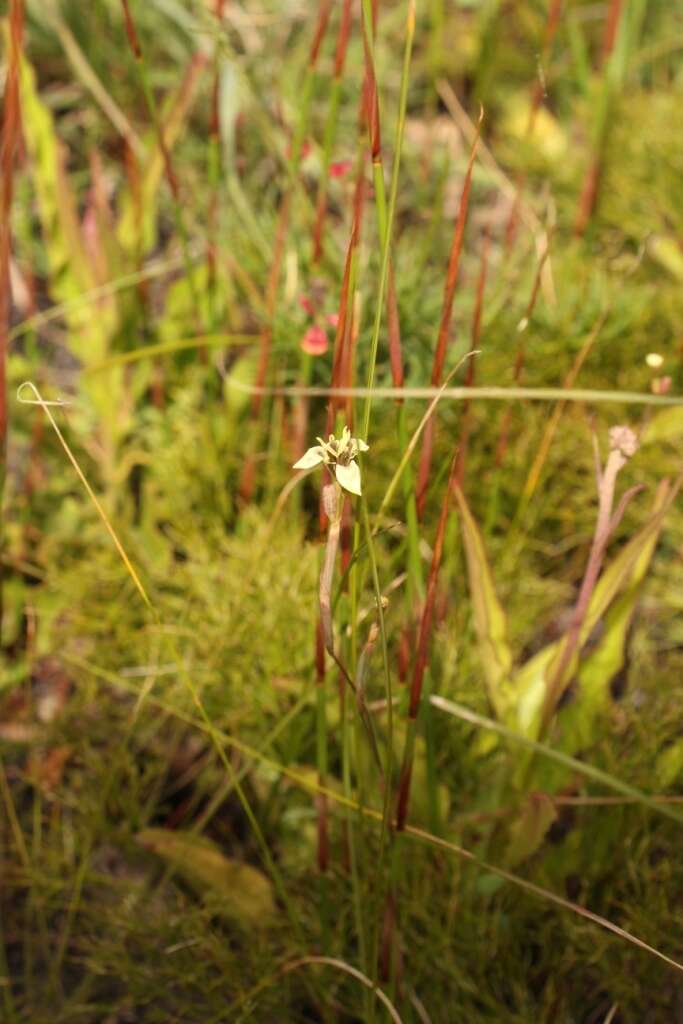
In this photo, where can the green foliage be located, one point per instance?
(135, 886)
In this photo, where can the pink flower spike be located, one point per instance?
(340, 168)
(333, 319)
(306, 305)
(314, 341)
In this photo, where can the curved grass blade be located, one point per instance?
(309, 784)
(587, 770)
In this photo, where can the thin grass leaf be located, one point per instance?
(581, 768)
(306, 782)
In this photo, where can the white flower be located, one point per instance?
(624, 441)
(341, 454)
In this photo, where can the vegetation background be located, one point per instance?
(442, 782)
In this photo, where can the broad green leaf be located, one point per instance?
(547, 136)
(240, 378)
(526, 692)
(669, 764)
(666, 251)
(70, 270)
(530, 828)
(665, 425)
(489, 618)
(179, 316)
(245, 893)
(70, 273)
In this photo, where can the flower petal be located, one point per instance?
(313, 457)
(362, 446)
(314, 341)
(349, 477)
(339, 168)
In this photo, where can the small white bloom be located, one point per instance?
(348, 476)
(654, 360)
(338, 453)
(313, 457)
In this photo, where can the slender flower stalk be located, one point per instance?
(537, 94)
(623, 444)
(593, 174)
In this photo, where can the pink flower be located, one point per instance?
(306, 305)
(314, 341)
(340, 168)
(333, 319)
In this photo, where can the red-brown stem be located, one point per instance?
(343, 35)
(343, 38)
(426, 621)
(551, 26)
(589, 193)
(249, 474)
(371, 103)
(470, 373)
(371, 110)
(214, 142)
(611, 29)
(388, 949)
(271, 298)
(136, 48)
(33, 471)
(394, 332)
(591, 181)
(537, 92)
(131, 31)
(445, 324)
(343, 337)
(248, 479)
(423, 639)
(324, 12)
(323, 830)
(404, 653)
(504, 435)
(11, 128)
